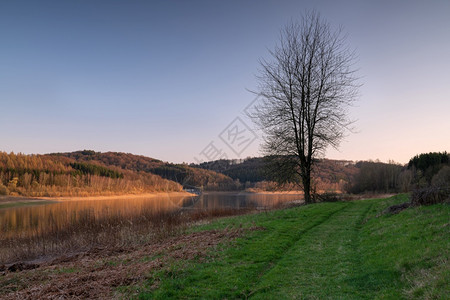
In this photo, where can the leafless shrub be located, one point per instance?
(430, 195)
(328, 197)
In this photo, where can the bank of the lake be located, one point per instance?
(122, 196)
(9, 201)
(14, 201)
(326, 250)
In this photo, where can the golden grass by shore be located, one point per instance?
(124, 196)
(15, 199)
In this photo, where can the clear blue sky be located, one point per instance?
(165, 78)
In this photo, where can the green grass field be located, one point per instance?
(341, 250)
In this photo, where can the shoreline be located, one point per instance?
(16, 201)
(276, 192)
(245, 192)
(10, 201)
(123, 196)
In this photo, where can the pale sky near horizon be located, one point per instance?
(167, 79)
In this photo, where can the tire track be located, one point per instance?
(331, 225)
(273, 263)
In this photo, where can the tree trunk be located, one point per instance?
(307, 189)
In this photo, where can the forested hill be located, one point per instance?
(58, 175)
(180, 173)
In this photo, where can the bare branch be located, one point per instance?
(305, 90)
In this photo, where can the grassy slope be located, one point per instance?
(327, 250)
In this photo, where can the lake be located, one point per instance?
(38, 219)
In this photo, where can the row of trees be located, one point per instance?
(423, 170)
(342, 176)
(377, 177)
(424, 167)
(92, 169)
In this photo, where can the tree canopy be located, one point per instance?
(304, 91)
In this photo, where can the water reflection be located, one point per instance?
(241, 200)
(22, 221)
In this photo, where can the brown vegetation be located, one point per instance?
(98, 273)
(90, 230)
(430, 195)
(44, 175)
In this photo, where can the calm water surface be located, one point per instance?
(18, 221)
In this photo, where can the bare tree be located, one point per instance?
(305, 90)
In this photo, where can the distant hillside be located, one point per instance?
(59, 175)
(85, 173)
(180, 173)
(329, 175)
